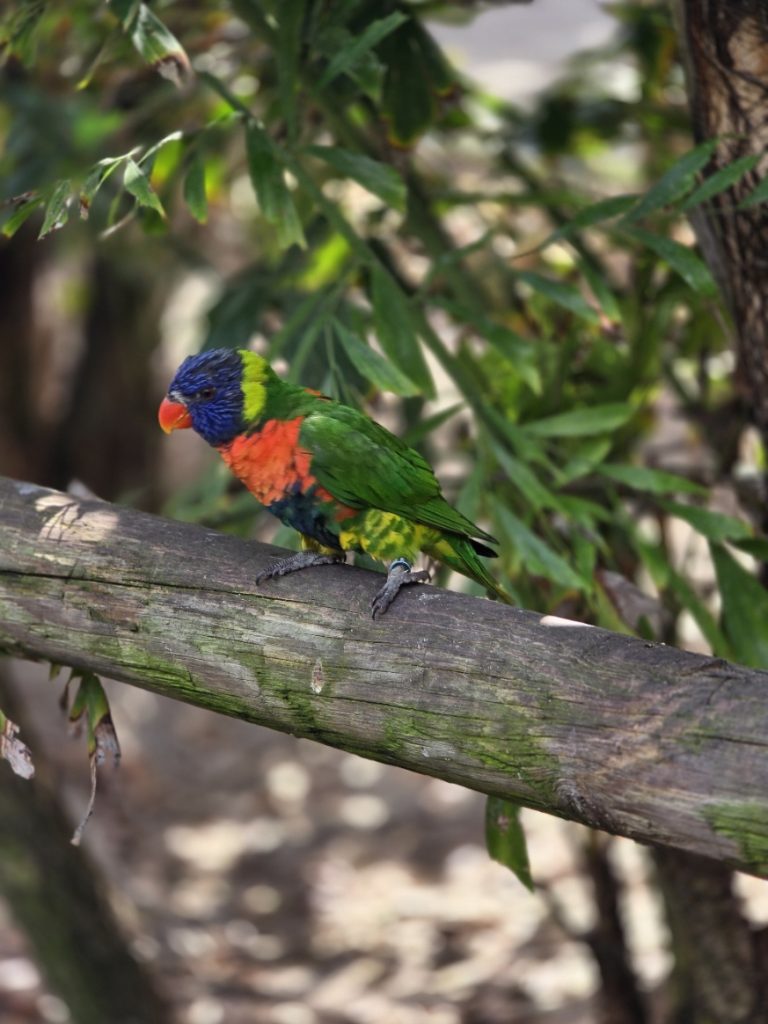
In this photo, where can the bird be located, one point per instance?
(328, 470)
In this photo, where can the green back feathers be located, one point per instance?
(364, 466)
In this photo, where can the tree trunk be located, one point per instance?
(719, 974)
(725, 52)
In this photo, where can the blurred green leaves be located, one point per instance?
(396, 331)
(348, 57)
(272, 192)
(194, 190)
(745, 608)
(582, 422)
(384, 375)
(675, 183)
(378, 178)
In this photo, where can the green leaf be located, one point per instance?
(759, 195)
(372, 366)
(745, 609)
(91, 703)
(407, 101)
(346, 59)
(595, 213)
(96, 178)
(584, 555)
(584, 511)
(601, 289)
(505, 838)
(715, 526)
(380, 179)
(721, 180)
(702, 616)
(666, 577)
(755, 546)
(650, 481)
(267, 176)
(17, 33)
(194, 190)
(678, 180)
(679, 257)
(585, 458)
(562, 294)
(291, 19)
(137, 183)
(395, 330)
(539, 558)
(596, 419)
(56, 212)
(425, 427)
(522, 476)
(653, 555)
(23, 210)
(148, 159)
(439, 71)
(156, 44)
(125, 10)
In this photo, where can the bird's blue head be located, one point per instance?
(217, 393)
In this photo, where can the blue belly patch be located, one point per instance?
(305, 514)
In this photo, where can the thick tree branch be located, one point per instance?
(632, 737)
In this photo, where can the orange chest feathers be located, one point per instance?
(270, 463)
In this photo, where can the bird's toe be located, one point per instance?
(384, 597)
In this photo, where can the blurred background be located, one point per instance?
(436, 215)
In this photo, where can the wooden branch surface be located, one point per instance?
(632, 737)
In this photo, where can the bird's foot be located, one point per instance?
(399, 575)
(301, 560)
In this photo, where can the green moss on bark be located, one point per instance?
(746, 823)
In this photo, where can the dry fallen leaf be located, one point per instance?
(14, 750)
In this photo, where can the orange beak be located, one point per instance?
(173, 416)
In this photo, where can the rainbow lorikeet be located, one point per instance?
(326, 469)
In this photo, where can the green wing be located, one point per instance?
(364, 466)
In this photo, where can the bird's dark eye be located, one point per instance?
(206, 393)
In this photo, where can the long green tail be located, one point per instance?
(458, 553)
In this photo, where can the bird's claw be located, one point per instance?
(301, 560)
(396, 579)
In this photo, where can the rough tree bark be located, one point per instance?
(631, 737)
(725, 52)
(719, 974)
